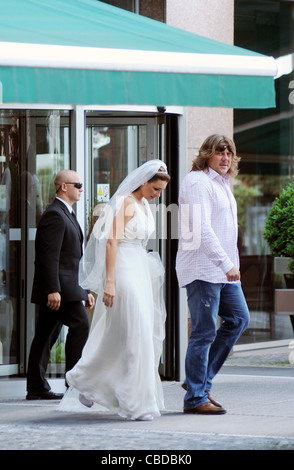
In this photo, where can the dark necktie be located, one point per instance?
(76, 221)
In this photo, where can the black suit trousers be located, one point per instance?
(71, 314)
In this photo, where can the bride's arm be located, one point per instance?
(119, 222)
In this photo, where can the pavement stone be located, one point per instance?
(255, 386)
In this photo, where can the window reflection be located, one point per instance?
(34, 145)
(265, 143)
(114, 151)
(9, 236)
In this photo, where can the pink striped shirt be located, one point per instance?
(208, 228)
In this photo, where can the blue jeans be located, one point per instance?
(208, 348)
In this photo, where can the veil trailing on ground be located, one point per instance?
(92, 265)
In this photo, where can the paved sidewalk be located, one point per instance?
(258, 397)
(268, 354)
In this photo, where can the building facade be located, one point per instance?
(104, 143)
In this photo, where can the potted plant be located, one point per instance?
(279, 233)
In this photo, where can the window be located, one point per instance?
(130, 5)
(265, 143)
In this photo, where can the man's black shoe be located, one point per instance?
(47, 395)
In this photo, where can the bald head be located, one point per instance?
(65, 185)
(65, 176)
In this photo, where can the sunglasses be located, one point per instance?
(222, 148)
(76, 185)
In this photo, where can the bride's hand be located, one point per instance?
(109, 293)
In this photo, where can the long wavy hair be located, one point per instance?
(208, 149)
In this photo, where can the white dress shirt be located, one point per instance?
(208, 228)
(70, 209)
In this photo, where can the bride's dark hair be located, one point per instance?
(160, 175)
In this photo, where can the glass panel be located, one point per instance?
(48, 144)
(114, 151)
(10, 236)
(264, 140)
(52, 155)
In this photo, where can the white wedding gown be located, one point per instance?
(118, 369)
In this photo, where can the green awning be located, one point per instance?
(88, 52)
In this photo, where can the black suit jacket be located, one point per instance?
(58, 247)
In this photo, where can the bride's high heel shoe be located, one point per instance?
(85, 401)
(146, 417)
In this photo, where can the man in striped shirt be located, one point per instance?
(208, 266)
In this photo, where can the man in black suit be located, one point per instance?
(56, 289)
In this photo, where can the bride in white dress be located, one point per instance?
(118, 370)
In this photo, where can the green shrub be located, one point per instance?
(279, 226)
(57, 354)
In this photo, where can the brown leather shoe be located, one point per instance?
(214, 402)
(206, 409)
